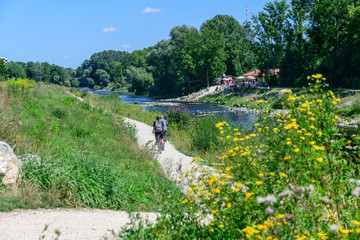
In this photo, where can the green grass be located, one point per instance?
(89, 157)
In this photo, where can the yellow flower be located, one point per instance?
(320, 159)
(239, 185)
(296, 150)
(235, 190)
(213, 211)
(312, 127)
(283, 175)
(322, 236)
(211, 230)
(312, 142)
(291, 98)
(248, 195)
(259, 182)
(356, 222)
(287, 157)
(261, 175)
(228, 205)
(280, 216)
(272, 174)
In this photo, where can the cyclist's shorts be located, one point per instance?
(159, 133)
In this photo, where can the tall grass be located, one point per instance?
(89, 157)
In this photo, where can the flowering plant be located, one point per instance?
(292, 179)
(180, 116)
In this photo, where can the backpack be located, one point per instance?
(158, 126)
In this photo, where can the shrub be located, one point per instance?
(180, 116)
(20, 85)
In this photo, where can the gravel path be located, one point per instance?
(72, 223)
(88, 223)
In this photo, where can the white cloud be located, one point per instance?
(126, 46)
(110, 29)
(151, 10)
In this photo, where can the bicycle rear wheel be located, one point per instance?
(159, 145)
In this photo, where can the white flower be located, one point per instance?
(334, 228)
(358, 183)
(351, 180)
(285, 193)
(325, 200)
(271, 199)
(260, 200)
(310, 188)
(356, 192)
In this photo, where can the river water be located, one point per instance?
(150, 104)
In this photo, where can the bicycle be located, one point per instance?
(160, 143)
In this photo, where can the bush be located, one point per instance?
(205, 134)
(179, 116)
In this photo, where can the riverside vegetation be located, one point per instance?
(291, 178)
(89, 158)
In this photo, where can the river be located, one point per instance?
(198, 108)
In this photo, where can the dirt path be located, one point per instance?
(88, 223)
(71, 223)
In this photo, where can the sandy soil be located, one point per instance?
(88, 223)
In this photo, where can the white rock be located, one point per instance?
(9, 164)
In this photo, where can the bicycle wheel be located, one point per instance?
(159, 145)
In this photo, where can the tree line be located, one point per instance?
(301, 37)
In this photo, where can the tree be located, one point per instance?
(328, 24)
(3, 70)
(297, 62)
(101, 78)
(140, 79)
(75, 83)
(270, 28)
(15, 70)
(211, 49)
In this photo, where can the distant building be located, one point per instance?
(5, 59)
(261, 74)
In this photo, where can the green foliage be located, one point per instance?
(180, 116)
(204, 134)
(3, 70)
(281, 180)
(89, 157)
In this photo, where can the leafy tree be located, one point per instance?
(328, 24)
(58, 75)
(75, 83)
(160, 58)
(15, 70)
(296, 64)
(239, 54)
(211, 49)
(46, 69)
(140, 79)
(270, 27)
(3, 70)
(102, 78)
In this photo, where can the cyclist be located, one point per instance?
(165, 123)
(158, 128)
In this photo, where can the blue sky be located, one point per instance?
(67, 32)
